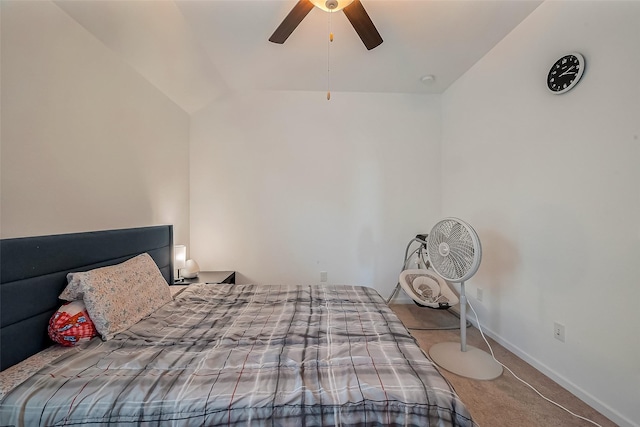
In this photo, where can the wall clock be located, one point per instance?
(565, 73)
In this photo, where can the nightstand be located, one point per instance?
(211, 277)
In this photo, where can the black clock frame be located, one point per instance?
(565, 73)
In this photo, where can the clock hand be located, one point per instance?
(568, 72)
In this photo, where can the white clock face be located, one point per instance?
(565, 73)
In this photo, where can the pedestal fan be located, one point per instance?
(454, 251)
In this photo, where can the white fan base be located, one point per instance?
(472, 363)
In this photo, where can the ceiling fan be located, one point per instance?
(354, 10)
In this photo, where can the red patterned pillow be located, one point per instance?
(71, 324)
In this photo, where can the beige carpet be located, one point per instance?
(504, 401)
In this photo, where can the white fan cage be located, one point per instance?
(454, 249)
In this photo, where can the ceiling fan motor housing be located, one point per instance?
(331, 4)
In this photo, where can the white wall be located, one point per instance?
(552, 185)
(87, 143)
(286, 184)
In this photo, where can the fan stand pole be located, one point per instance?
(461, 359)
(463, 318)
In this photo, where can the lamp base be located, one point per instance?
(472, 363)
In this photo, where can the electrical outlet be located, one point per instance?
(479, 294)
(558, 331)
(323, 276)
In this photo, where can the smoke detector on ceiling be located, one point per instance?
(427, 79)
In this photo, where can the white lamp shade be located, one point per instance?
(179, 256)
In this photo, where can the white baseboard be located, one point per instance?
(400, 298)
(580, 393)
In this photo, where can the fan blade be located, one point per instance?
(293, 19)
(363, 25)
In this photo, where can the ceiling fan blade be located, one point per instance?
(363, 25)
(293, 19)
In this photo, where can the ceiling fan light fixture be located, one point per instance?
(353, 10)
(331, 5)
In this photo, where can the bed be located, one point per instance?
(213, 354)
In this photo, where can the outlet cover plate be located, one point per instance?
(558, 331)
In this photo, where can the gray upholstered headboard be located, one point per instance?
(33, 273)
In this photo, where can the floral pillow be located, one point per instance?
(120, 295)
(71, 325)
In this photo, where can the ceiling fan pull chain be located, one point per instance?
(329, 59)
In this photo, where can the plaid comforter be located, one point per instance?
(247, 355)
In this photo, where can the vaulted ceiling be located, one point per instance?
(197, 51)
